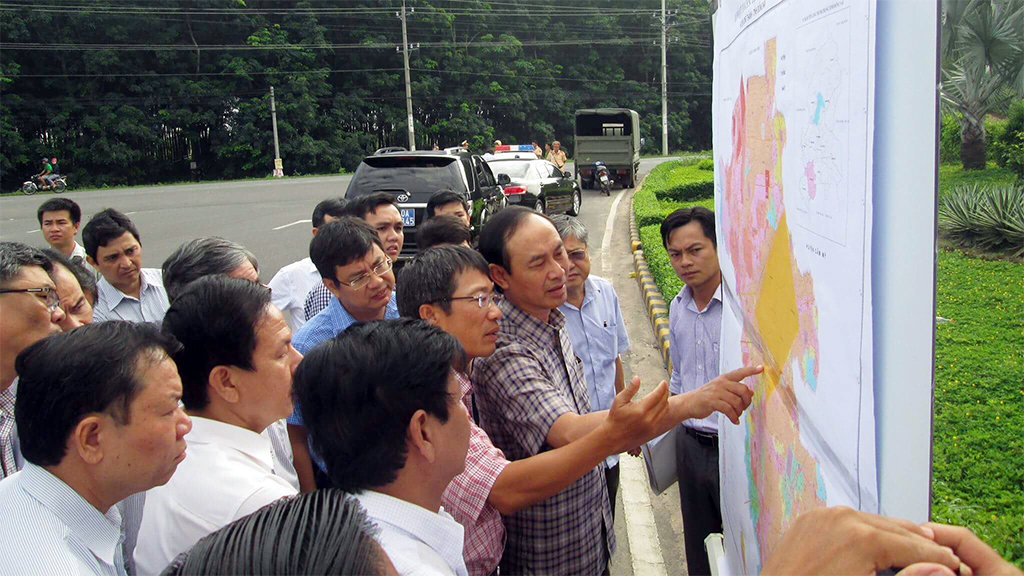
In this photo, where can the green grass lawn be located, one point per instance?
(978, 428)
(953, 175)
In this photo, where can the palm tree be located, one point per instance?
(982, 66)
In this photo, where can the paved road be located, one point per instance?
(271, 218)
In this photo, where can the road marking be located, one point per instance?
(130, 213)
(641, 530)
(32, 231)
(292, 224)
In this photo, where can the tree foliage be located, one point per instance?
(129, 95)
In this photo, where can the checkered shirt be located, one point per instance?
(317, 299)
(8, 463)
(520, 391)
(466, 497)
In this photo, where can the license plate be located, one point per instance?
(408, 217)
(604, 178)
(514, 198)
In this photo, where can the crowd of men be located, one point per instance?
(463, 418)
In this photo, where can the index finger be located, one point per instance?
(745, 372)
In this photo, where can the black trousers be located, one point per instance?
(699, 496)
(611, 476)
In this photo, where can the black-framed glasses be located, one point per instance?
(482, 300)
(378, 271)
(52, 300)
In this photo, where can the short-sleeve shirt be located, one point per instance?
(289, 288)
(532, 379)
(694, 337)
(598, 336)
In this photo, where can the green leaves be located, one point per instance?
(990, 219)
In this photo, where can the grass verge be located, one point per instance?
(953, 175)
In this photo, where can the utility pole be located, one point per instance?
(664, 83)
(278, 164)
(408, 84)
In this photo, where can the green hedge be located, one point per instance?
(949, 139)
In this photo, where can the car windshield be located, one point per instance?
(514, 168)
(409, 173)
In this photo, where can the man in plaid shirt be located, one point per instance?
(449, 286)
(531, 396)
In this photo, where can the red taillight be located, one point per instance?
(510, 190)
(620, 171)
(586, 171)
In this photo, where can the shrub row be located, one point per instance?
(990, 219)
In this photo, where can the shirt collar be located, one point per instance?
(590, 288)
(341, 318)
(685, 297)
(438, 530)
(513, 316)
(115, 296)
(256, 446)
(7, 400)
(101, 533)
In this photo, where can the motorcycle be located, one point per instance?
(602, 175)
(59, 184)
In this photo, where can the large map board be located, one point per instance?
(793, 136)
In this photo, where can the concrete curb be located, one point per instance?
(657, 308)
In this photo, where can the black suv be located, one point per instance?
(413, 177)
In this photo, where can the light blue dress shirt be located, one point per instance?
(49, 528)
(694, 337)
(150, 306)
(330, 322)
(598, 336)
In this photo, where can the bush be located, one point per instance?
(949, 140)
(1009, 145)
(987, 218)
(706, 164)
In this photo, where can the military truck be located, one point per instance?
(611, 136)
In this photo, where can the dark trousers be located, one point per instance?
(699, 497)
(611, 476)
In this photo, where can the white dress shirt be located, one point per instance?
(417, 541)
(150, 306)
(49, 528)
(284, 462)
(289, 288)
(227, 474)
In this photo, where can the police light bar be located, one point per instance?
(514, 148)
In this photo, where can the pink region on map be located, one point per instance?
(812, 188)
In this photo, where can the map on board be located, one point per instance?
(793, 85)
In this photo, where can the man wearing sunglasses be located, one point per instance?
(30, 312)
(353, 266)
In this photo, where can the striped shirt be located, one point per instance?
(466, 496)
(693, 346)
(50, 529)
(531, 380)
(150, 306)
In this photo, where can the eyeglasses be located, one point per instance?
(378, 271)
(52, 300)
(482, 300)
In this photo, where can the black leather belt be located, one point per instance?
(704, 438)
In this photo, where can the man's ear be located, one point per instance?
(429, 313)
(333, 286)
(90, 261)
(221, 383)
(85, 438)
(499, 276)
(420, 436)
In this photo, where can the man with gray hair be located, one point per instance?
(30, 309)
(596, 329)
(204, 257)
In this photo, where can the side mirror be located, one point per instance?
(504, 180)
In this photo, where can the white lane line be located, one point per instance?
(130, 213)
(293, 224)
(32, 231)
(641, 530)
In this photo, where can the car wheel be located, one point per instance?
(577, 200)
(539, 205)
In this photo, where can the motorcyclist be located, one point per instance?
(54, 173)
(41, 177)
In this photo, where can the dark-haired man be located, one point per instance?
(100, 422)
(448, 202)
(59, 219)
(393, 433)
(355, 270)
(380, 211)
(443, 230)
(67, 276)
(127, 291)
(30, 309)
(695, 322)
(293, 282)
(449, 287)
(236, 364)
(532, 396)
